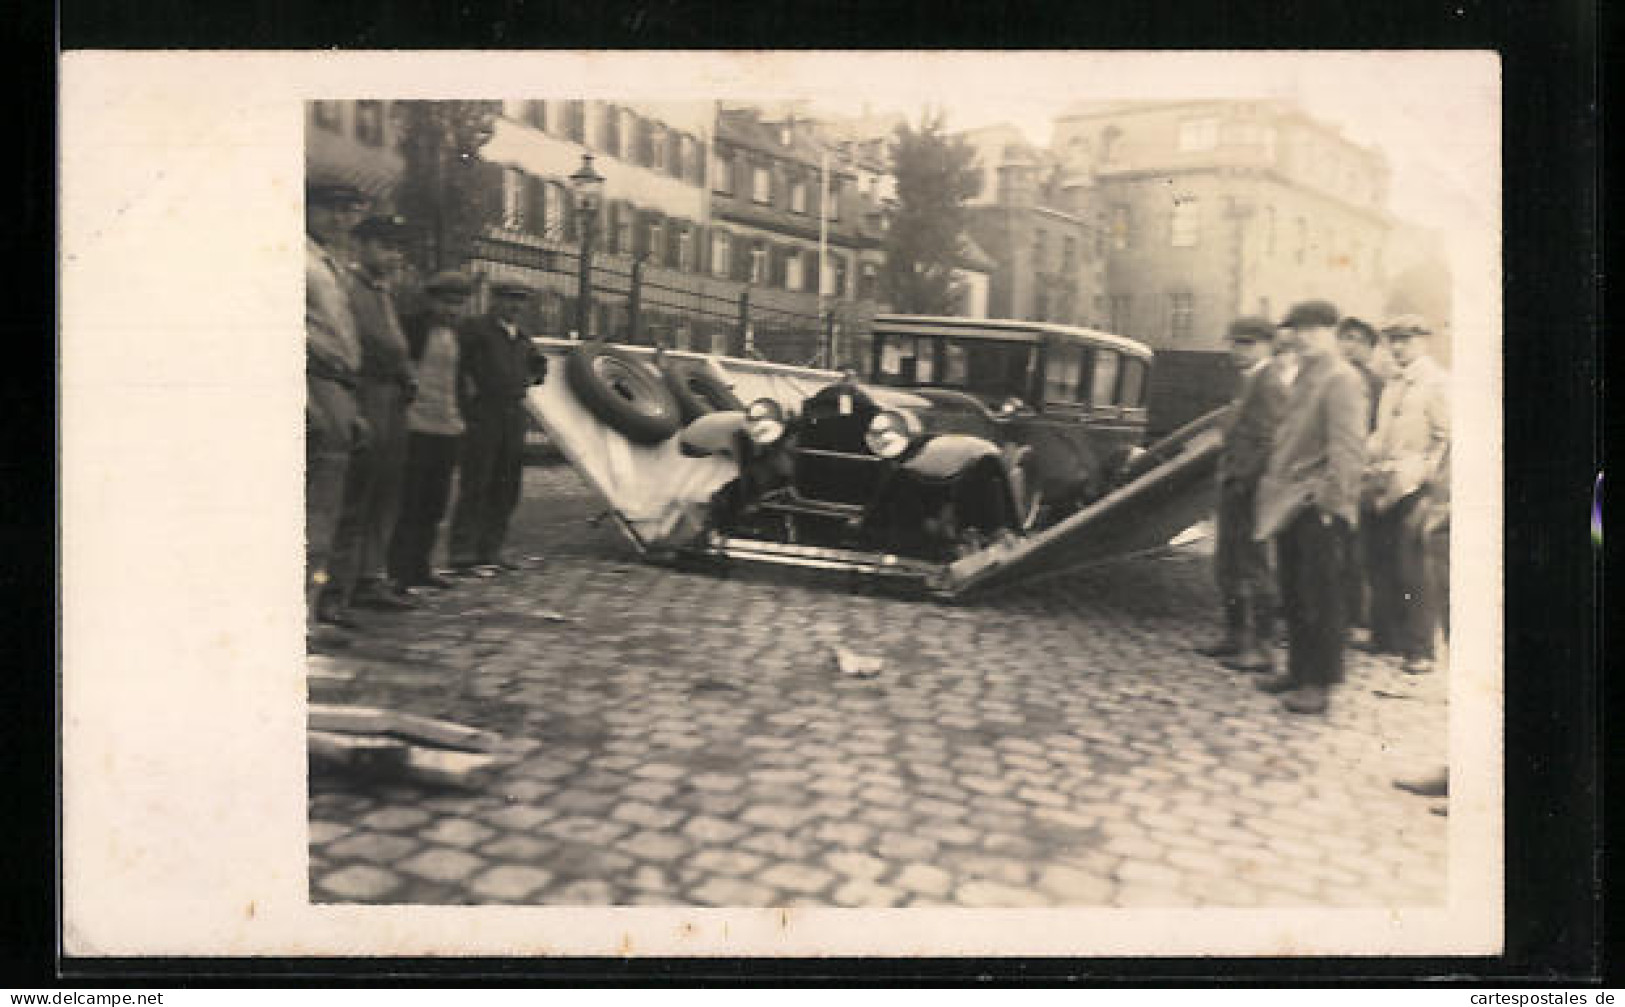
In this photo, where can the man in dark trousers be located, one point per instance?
(434, 424)
(498, 363)
(1307, 503)
(384, 386)
(333, 427)
(1412, 435)
(1240, 561)
(1358, 341)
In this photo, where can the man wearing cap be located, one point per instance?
(333, 427)
(1357, 340)
(1241, 563)
(498, 364)
(434, 425)
(1307, 501)
(1407, 447)
(385, 384)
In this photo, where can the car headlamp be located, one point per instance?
(891, 432)
(764, 421)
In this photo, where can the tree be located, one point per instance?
(445, 187)
(936, 174)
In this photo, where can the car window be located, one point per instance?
(993, 368)
(955, 365)
(1105, 378)
(1132, 391)
(906, 360)
(1063, 372)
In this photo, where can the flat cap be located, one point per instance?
(1251, 328)
(383, 226)
(1405, 326)
(511, 288)
(332, 193)
(1360, 325)
(1310, 314)
(449, 281)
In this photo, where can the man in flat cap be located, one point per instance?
(1407, 448)
(1357, 340)
(1241, 562)
(385, 384)
(498, 364)
(1307, 502)
(333, 428)
(434, 424)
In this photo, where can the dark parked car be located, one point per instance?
(966, 432)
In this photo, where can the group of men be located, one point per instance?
(1333, 499)
(395, 407)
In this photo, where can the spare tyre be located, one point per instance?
(622, 391)
(697, 389)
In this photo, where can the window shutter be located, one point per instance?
(775, 265)
(536, 114)
(741, 253)
(812, 277)
(674, 242)
(535, 220)
(700, 155)
(643, 155)
(640, 233)
(608, 136)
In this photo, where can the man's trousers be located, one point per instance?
(330, 413)
(1402, 618)
(431, 460)
(488, 485)
(1310, 561)
(372, 489)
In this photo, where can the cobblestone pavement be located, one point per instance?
(692, 743)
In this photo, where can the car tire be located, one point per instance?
(624, 392)
(697, 390)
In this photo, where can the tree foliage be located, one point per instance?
(446, 188)
(936, 174)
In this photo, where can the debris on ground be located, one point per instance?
(369, 740)
(857, 665)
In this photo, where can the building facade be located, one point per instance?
(1036, 223)
(1214, 209)
(356, 142)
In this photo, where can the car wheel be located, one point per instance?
(697, 390)
(623, 391)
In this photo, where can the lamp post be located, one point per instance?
(588, 186)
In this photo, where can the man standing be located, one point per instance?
(1241, 562)
(434, 426)
(497, 366)
(333, 427)
(385, 385)
(1357, 339)
(1406, 449)
(1307, 501)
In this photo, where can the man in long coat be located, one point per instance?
(1307, 502)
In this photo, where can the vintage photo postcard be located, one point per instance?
(785, 504)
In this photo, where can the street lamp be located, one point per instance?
(588, 187)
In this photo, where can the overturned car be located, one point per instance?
(975, 450)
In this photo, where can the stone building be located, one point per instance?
(354, 141)
(1035, 221)
(1219, 208)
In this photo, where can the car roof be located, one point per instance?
(1014, 330)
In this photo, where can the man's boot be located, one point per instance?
(1235, 621)
(1252, 650)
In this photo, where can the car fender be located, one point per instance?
(948, 455)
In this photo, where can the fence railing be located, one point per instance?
(641, 303)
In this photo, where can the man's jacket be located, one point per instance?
(1413, 432)
(495, 367)
(1251, 428)
(1319, 451)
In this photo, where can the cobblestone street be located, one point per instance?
(690, 741)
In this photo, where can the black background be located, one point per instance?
(1554, 438)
